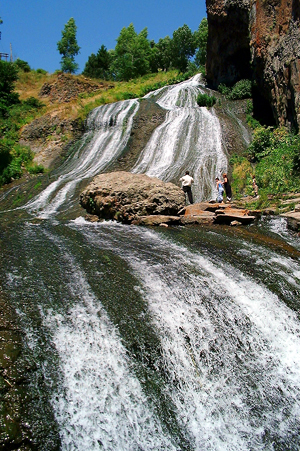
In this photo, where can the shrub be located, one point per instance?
(33, 102)
(23, 65)
(8, 96)
(36, 169)
(41, 71)
(260, 147)
(223, 89)
(241, 90)
(241, 175)
(277, 172)
(206, 100)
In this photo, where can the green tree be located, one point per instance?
(68, 47)
(201, 43)
(8, 77)
(98, 65)
(132, 54)
(164, 53)
(182, 47)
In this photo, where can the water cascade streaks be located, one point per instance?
(98, 402)
(109, 129)
(189, 139)
(178, 339)
(230, 346)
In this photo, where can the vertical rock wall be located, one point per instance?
(258, 39)
(228, 46)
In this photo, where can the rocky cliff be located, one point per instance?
(258, 39)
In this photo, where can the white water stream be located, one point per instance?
(189, 139)
(226, 375)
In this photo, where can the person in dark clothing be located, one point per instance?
(186, 182)
(227, 187)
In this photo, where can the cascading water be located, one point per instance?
(108, 133)
(176, 339)
(190, 138)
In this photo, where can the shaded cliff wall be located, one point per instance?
(258, 39)
(228, 45)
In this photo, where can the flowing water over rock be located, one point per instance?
(184, 338)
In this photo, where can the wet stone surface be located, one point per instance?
(22, 424)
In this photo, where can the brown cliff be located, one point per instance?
(258, 39)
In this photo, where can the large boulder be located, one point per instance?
(126, 197)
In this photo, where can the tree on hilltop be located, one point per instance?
(97, 66)
(68, 47)
(132, 54)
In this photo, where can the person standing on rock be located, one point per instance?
(186, 184)
(220, 190)
(227, 187)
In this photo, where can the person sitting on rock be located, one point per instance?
(186, 183)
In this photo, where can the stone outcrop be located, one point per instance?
(126, 197)
(258, 39)
(67, 88)
(148, 117)
(47, 137)
(142, 200)
(228, 49)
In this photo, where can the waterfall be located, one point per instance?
(189, 139)
(109, 129)
(180, 338)
(160, 344)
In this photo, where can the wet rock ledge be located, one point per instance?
(26, 418)
(142, 200)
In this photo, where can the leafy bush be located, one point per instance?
(276, 154)
(13, 115)
(277, 171)
(41, 71)
(23, 65)
(33, 102)
(223, 89)
(263, 140)
(241, 90)
(206, 100)
(8, 77)
(241, 176)
(36, 169)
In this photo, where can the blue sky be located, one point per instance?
(33, 27)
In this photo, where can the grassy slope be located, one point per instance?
(30, 84)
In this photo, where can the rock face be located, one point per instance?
(228, 47)
(258, 39)
(47, 137)
(66, 88)
(148, 117)
(126, 197)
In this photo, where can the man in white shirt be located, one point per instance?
(186, 182)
